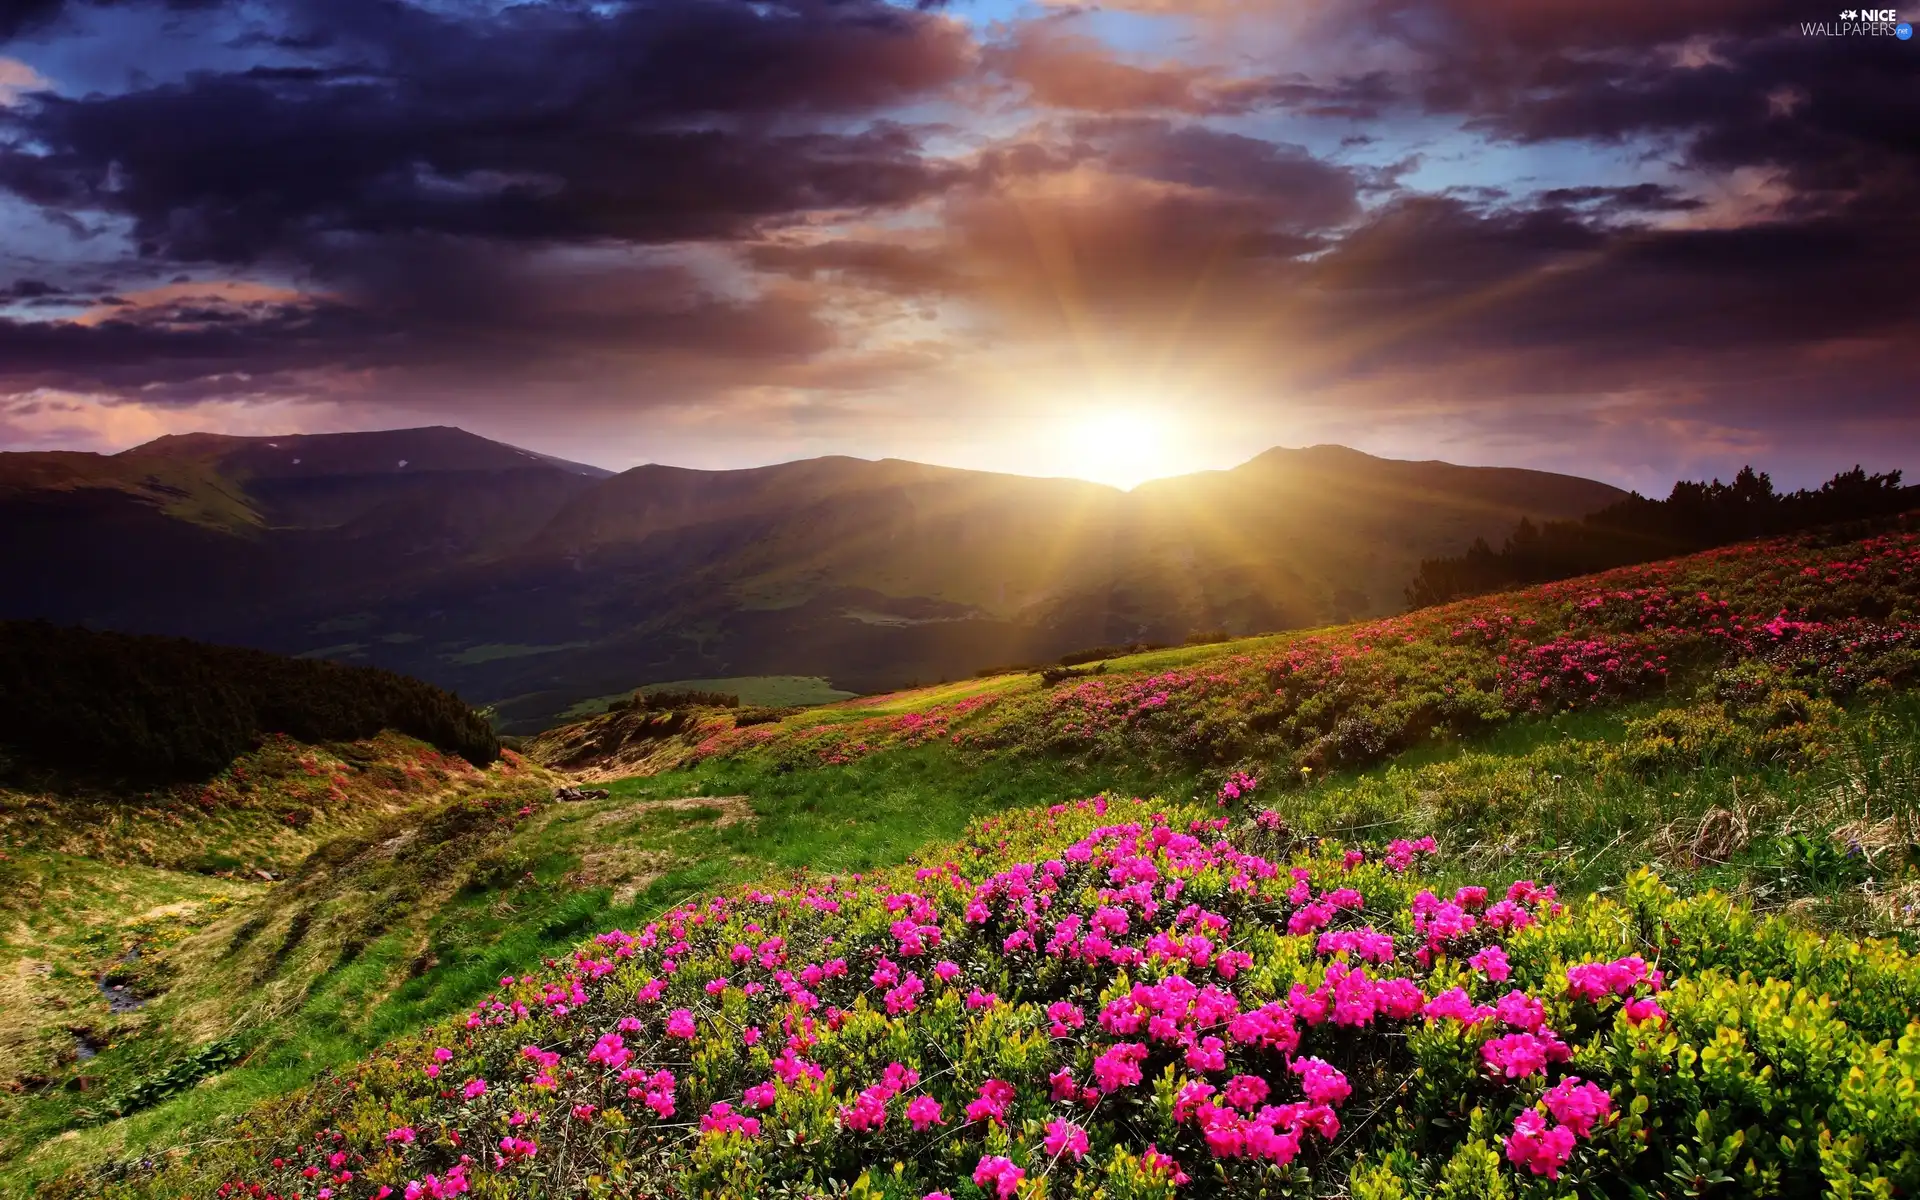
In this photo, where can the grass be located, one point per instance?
(1567, 801)
(460, 910)
(894, 703)
(493, 651)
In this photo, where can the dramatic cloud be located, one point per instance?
(1675, 233)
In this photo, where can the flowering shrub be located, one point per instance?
(1119, 998)
(1829, 619)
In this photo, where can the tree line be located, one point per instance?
(1695, 516)
(161, 709)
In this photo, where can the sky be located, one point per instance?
(1634, 240)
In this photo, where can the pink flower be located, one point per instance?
(514, 1149)
(1521, 1011)
(475, 1088)
(403, 1135)
(1244, 1092)
(867, 1112)
(995, 1094)
(1064, 1137)
(1323, 1082)
(1578, 1105)
(1454, 1005)
(1595, 981)
(1539, 1149)
(610, 1051)
(1157, 1162)
(1064, 1088)
(442, 1054)
(762, 1095)
(1519, 1055)
(1119, 1067)
(1400, 852)
(1364, 944)
(680, 1024)
(1066, 1017)
(722, 1119)
(1647, 1009)
(1000, 1174)
(1492, 962)
(923, 1111)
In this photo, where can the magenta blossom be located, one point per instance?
(1064, 1137)
(998, 1173)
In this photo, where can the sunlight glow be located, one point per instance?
(1122, 447)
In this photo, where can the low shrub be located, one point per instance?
(761, 714)
(1126, 999)
(1052, 675)
(685, 698)
(1095, 653)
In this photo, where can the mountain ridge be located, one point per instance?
(533, 583)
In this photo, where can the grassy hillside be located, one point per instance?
(1804, 621)
(1768, 774)
(107, 896)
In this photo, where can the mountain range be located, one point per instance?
(531, 583)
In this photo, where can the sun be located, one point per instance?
(1122, 447)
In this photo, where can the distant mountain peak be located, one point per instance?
(358, 452)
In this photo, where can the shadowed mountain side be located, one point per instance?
(226, 538)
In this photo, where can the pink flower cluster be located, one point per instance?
(1244, 1127)
(1576, 1107)
(991, 1104)
(1238, 785)
(998, 1173)
(437, 1187)
(1400, 852)
(722, 1119)
(515, 1149)
(1064, 1137)
(1596, 980)
(656, 1091)
(869, 1109)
